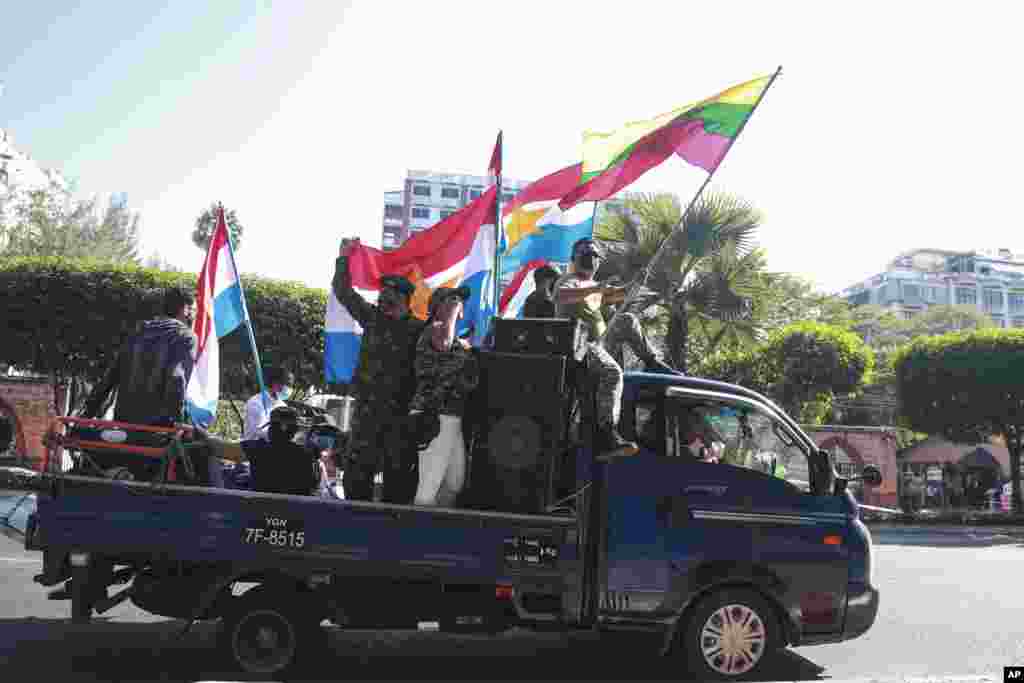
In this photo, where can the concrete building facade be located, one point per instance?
(990, 280)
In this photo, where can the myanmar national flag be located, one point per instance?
(700, 133)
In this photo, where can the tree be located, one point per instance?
(706, 271)
(207, 223)
(968, 387)
(811, 363)
(156, 261)
(942, 319)
(50, 222)
(68, 318)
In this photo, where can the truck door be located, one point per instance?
(716, 494)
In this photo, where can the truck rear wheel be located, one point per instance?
(265, 633)
(730, 635)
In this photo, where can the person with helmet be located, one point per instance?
(447, 370)
(384, 382)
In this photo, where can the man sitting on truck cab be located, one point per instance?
(579, 297)
(446, 372)
(384, 382)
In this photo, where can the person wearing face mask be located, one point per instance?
(153, 368)
(447, 370)
(259, 407)
(384, 382)
(279, 465)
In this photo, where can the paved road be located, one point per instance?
(951, 610)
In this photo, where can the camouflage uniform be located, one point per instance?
(384, 381)
(444, 380)
(625, 330)
(605, 357)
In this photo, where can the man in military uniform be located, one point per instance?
(578, 296)
(384, 382)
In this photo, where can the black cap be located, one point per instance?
(545, 272)
(442, 294)
(585, 244)
(399, 283)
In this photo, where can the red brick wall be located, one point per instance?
(867, 447)
(31, 403)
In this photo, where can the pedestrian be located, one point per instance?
(447, 370)
(384, 382)
(257, 409)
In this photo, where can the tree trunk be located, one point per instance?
(678, 336)
(1015, 447)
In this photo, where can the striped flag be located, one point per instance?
(457, 251)
(220, 309)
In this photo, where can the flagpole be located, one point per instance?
(497, 225)
(637, 287)
(245, 312)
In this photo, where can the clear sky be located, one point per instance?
(893, 125)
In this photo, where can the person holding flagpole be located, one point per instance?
(384, 383)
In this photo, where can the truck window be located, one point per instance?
(733, 434)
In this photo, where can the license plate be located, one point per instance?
(276, 532)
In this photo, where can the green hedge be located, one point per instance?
(966, 386)
(69, 317)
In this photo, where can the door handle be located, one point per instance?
(706, 489)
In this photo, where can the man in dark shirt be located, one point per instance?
(280, 465)
(541, 303)
(384, 382)
(152, 368)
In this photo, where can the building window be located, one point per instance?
(475, 194)
(967, 296)
(507, 196)
(421, 190)
(1018, 322)
(1016, 303)
(445, 214)
(393, 211)
(911, 291)
(993, 300)
(450, 193)
(421, 212)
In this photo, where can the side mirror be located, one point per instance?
(871, 475)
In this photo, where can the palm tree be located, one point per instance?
(706, 277)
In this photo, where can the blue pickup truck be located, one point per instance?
(726, 560)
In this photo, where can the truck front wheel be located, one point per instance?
(730, 635)
(265, 634)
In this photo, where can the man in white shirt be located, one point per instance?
(259, 407)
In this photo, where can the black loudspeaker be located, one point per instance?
(520, 422)
(558, 336)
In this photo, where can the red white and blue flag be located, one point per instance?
(457, 251)
(220, 309)
(519, 288)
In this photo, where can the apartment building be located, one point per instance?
(990, 280)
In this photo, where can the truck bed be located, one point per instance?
(132, 521)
